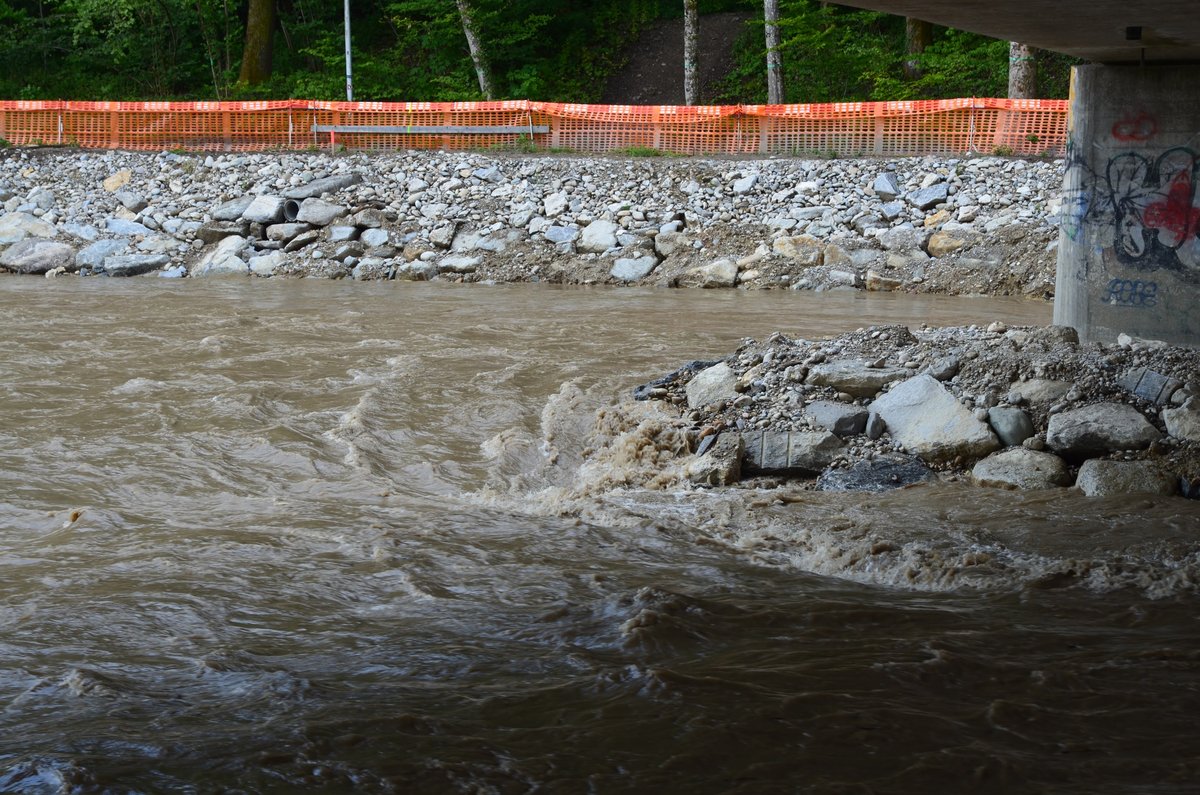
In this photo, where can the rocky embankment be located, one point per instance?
(884, 407)
(954, 225)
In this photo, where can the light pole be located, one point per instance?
(349, 82)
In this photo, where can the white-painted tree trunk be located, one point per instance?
(478, 56)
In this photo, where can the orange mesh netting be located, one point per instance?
(945, 126)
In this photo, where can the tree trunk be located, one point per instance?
(691, 37)
(483, 70)
(1022, 71)
(256, 55)
(917, 36)
(774, 57)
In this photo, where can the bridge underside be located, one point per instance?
(1104, 31)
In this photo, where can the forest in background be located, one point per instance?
(554, 50)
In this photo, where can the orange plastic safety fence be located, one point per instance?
(842, 128)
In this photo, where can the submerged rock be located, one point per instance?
(1102, 478)
(882, 473)
(1022, 469)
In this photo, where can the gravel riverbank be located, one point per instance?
(943, 225)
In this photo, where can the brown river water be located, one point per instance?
(283, 536)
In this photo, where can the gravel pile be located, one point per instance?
(1021, 408)
(980, 225)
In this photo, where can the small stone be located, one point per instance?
(711, 385)
(1011, 424)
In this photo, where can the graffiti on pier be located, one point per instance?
(1140, 127)
(1131, 292)
(1150, 204)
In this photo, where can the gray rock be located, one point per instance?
(1022, 469)
(923, 416)
(891, 211)
(224, 259)
(215, 231)
(854, 377)
(282, 233)
(944, 368)
(886, 186)
(489, 174)
(43, 198)
(82, 231)
(93, 256)
(319, 213)
(927, 198)
(745, 184)
(174, 272)
(555, 205)
(267, 264)
(443, 236)
(711, 385)
(131, 201)
(1184, 422)
(459, 263)
(321, 186)
(875, 425)
(1099, 429)
(630, 269)
(1040, 391)
(882, 473)
(37, 255)
(1101, 478)
(1011, 424)
(374, 237)
(158, 244)
(791, 452)
(134, 264)
(232, 210)
(119, 226)
(264, 210)
(598, 236)
(339, 233)
(843, 419)
(721, 465)
(562, 234)
(1149, 385)
(667, 243)
(901, 240)
(722, 273)
(301, 240)
(19, 226)
(370, 218)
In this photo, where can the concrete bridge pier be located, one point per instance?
(1129, 250)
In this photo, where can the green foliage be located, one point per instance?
(833, 53)
(639, 151)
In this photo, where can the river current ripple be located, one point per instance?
(300, 536)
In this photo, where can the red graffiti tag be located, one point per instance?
(1175, 214)
(1141, 127)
